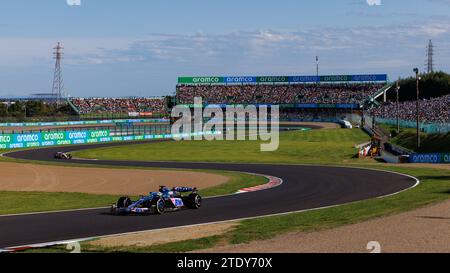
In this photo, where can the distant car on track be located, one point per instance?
(159, 202)
(61, 155)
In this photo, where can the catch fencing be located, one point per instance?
(72, 137)
(430, 128)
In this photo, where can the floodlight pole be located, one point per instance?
(397, 88)
(317, 66)
(416, 70)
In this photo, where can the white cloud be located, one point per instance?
(31, 51)
(73, 2)
(374, 2)
(271, 44)
(342, 50)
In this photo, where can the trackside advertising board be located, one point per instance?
(434, 158)
(15, 141)
(285, 106)
(86, 122)
(283, 79)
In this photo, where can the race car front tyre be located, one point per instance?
(124, 202)
(194, 201)
(160, 205)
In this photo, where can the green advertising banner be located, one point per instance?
(54, 136)
(272, 79)
(87, 122)
(201, 80)
(336, 78)
(15, 141)
(6, 139)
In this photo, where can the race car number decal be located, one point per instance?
(177, 202)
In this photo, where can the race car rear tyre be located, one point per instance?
(194, 201)
(160, 205)
(123, 202)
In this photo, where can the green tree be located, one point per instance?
(17, 109)
(3, 110)
(432, 85)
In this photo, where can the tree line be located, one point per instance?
(431, 85)
(29, 109)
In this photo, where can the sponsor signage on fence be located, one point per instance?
(283, 79)
(446, 158)
(87, 122)
(433, 158)
(14, 141)
(284, 106)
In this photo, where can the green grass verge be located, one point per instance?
(237, 181)
(318, 146)
(25, 202)
(430, 143)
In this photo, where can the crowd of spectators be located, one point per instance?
(278, 93)
(436, 110)
(313, 114)
(119, 105)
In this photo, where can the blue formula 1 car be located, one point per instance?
(159, 202)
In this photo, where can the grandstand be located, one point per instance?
(341, 93)
(300, 97)
(130, 106)
(437, 110)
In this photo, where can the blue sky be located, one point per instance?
(140, 47)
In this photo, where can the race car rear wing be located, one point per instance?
(184, 189)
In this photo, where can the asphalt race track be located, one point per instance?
(304, 187)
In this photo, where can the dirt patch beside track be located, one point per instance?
(45, 178)
(158, 237)
(422, 230)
